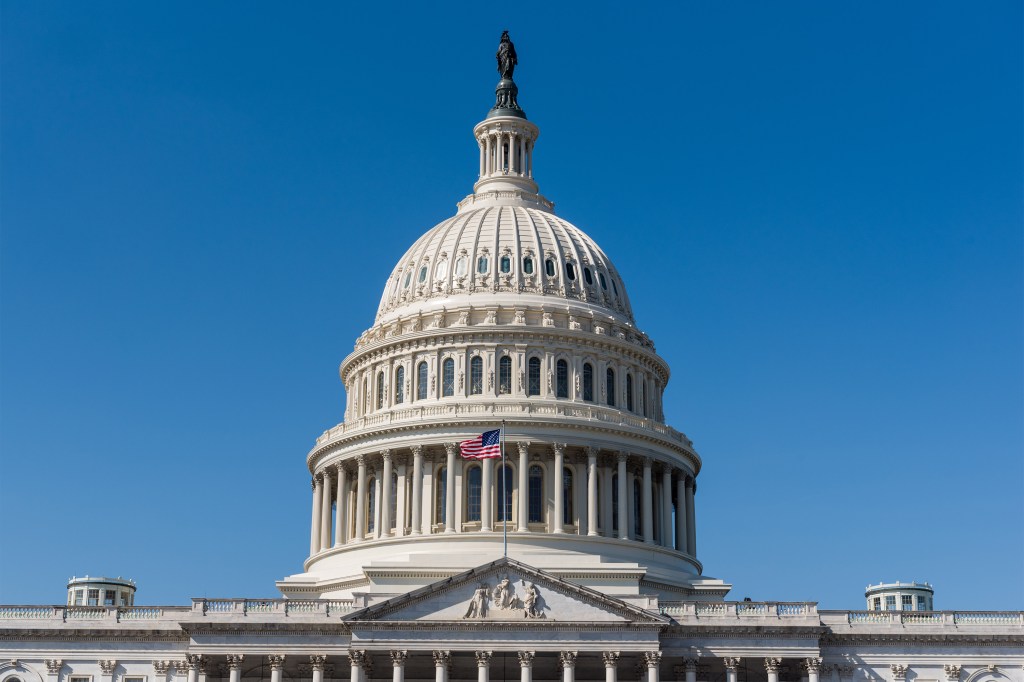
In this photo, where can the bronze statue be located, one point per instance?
(506, 55)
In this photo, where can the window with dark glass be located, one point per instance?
(503, 489)
(506, 264)
(549, 267)
(570, 271)
(476, 375)
(473, 494)
(399, 385)
(562, 379)
(448, 377)
(567, 515)
(907, 602)
(588, 382)
(588, 277)
(371, 507)
(890, 603)
(609, 380)
(481, 265)
(423, 274)
(615, 503)
(533, 377)
(408, 278)
(528, 266)
(421, 381)
(643, 397)
(380, 390)
(505, 374)
(629, 392)
(94, 598)
(394, 501)
(604, 284)
(536, 494)
(877, 604)
(441, 496)
(637, 520)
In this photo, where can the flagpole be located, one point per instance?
(504, 510)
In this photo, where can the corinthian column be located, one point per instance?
(666, 506)
(526, 666)
(623, 497)
(318, 500)
(690, 666)
(417, 489)
(557, 475)
(325, 512)
(317, 663)
(449, 488)
(652, 659)
(442, 660)
(398, 665)
(276, 667)
(385, 495)
(731, 667)
(611, 662)
(483, 664)
(647, 503)
(360, 531)
(771, 666)
(691, 524)
(235, 667)
(523, 526)
(591, 491)
(681, 513)
(568, 661)
(341, 504)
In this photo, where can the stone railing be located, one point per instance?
(498, 409)
(947, 619)
(281, 607)
(103, 614)
(724, 612)
(207, 608)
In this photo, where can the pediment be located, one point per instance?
(504, 591)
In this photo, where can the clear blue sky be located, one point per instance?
(817, 208)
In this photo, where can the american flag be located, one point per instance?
(484, 446)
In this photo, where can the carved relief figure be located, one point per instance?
(504, 595)
(478, 604)
(531, 609)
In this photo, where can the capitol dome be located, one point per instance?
(504, 316)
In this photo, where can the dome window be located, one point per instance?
(476, 375)
(399, 384)
(588, 382)
(533, 377)
(562, 379)
(423, 274)
(610, 387)
(588, 277)
(505, 375)
(448, 378)
(460, 267)
(408, 279)
(421, 381)
(570, 272)
(604, 284)
(549, 267)
(505, 264)
(481, 265)
(528, 266)
(441, 270)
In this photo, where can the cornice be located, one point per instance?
(894, 639)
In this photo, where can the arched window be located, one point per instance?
(380, 390)
(629, 392)
(371, 504)
(533, 377)
(505, 264)
(567, 515)
(637, 503)
(394, 502)
(609, 380)
(448, 377)
(615, 503)
(549, 267)
(588, 382)
(505, 374)
(441, 496)
(473, 477)
(481, 265)
(570, 271)
(503, 488)
(476, 375)
(536, 494)
(528, 265)
(421, 381)
(562, 379)
(399, 385)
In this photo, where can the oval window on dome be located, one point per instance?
(423, 274)
(549, 267)
(481, 265)
(528, 266)
(408, 279)
(460, 267)
(441, 270)
(505, 264)
(588, 277)
(604, 284)
(570, 271)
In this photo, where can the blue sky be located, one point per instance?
(816, 208)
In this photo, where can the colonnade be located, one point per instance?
(505, 152)
(599, 493)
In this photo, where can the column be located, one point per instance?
(486, 487)
(772, 665)
(317, 663)
(54, 665)
(449, 501)
(691, 526)
(611, 662)
(385, 495)
(341, 500)
(235, 667)
(690, 666)
(487, 155)
(652, 659)
(604, 503)
(731, 667)
(556, 477)
(360, 531)
(681, 514)
(483, 663)
(398, 665)
(276, 667)
(325, 513)
(195, 662)
(591, 491)
(481, 159)
(417, 489)
(318, 500)
(813, 669)
(529, 152)
(526, 666)
(568, 661)
(666, 506)
(442, 660)
(107, 668)
(523, 525)
(646, 503)
(623, 497)
(521, 167)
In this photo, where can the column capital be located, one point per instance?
(442, 658)
(107, 667)
(591, 451)
(53, 665)
(558, 448)
(276, 661)
(417, 450)
(610, 658)
(899, 672)
(772, 665)
(621, 457)
(196, 662)
(690, 664)
(314, 481)
(386, 454)
(646, 462)
(813, 664)
(162, 667)
(235, 661)
(317, 661)
(525, 659)
(483, 658)
(451, 448)
(731, 663)
(952, 672)
(398, 657)
(361, 460)
(524, 447)
(652, 658)
(567, 658)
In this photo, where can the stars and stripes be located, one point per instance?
(484, 446)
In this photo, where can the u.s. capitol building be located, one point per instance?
(504, 314)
